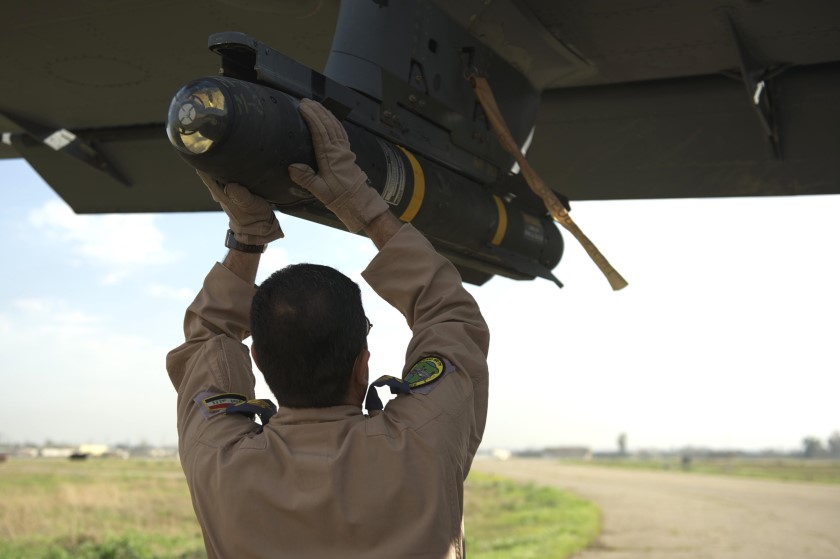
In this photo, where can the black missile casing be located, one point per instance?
(258, 133)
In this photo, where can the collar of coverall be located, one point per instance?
(297, 416)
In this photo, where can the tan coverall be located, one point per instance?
(333, 482)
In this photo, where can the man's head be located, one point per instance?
(309, 335)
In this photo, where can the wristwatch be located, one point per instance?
(232, 243)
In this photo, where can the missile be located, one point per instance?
(241, 131)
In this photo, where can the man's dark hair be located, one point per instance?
(308, 326)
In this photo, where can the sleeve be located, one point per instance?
(213, 358)
(445, 321)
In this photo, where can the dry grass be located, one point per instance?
(134, 509)
(57, 503)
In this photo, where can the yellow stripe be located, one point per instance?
(419, 188)
(502, 227)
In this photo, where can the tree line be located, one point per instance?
(812, 447)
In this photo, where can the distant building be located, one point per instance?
(93, 450)
(27, 452)
(56, 452)
(163, 453)
(557, 453)
(568, 453)
(501, 453)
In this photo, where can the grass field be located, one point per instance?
(784, 469)
(116, 509)
(505, 520)
(137, 509)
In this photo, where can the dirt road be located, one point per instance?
(675, 515)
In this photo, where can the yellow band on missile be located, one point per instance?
(418, 191)
(501, 229)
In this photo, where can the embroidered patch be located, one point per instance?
(426, 371)
(212, 403)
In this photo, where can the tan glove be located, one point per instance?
(252, 219)
(339, 183)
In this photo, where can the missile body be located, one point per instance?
(249, 133)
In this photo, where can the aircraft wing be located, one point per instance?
(640, 98)
(106, 72)
(634, 99)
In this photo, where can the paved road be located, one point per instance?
(673, 515)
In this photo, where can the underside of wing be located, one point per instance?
(104, 72)
(640, 99)
(636, 99)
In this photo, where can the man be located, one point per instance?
(321, 479)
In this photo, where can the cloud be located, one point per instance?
(115, 277)
(32, 305)
(120, 242)
(53, 317)
(74, 318)
(70, 331)
(82, 368)
(160, 291)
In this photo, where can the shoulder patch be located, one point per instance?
(426, 371)
(211, 403)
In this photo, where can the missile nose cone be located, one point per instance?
(198, 117)
(186, 114)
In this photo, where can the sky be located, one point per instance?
(727, 336)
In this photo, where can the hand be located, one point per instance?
(339, 183)
(252, 219)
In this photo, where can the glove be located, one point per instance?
(252, 219)
(339, 183)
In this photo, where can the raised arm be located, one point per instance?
(408, 273)
(212, 357)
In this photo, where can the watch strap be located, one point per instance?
(232, 243)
